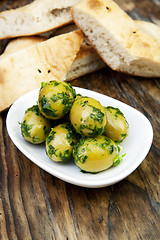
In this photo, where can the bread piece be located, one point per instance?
(117, 39)
(24, 70)
(87, 60)
(37, 17)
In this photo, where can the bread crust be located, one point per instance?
(20, 43)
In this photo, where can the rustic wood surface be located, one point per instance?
(36, 205)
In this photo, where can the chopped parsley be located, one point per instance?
(46, 108)
(34, 109)
(111, 149)
(117, 160)
(97, 115)
(46, 130)
(63, 156)
(51, 151)
(51, 136)
(92, 131)
(26, 129)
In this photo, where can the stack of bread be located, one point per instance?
(101, 34)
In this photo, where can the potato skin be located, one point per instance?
(87, 116)
(55, 99)
(60, 142)
(116, 126)
(34, 126)
(95, 154)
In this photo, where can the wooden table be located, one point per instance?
(36, 205)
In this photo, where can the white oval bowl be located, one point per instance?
(136, 145)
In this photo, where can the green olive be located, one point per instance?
(116, 126)
(88, 116)
(55, 99)
(95, 154)
(35, 127)
(60, 142)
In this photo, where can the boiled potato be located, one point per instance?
(34, 126)
(88, 116)
(55, 99)
(60, 142)
(116, 125)
(95, 154)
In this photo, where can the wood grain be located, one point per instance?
(36, 205)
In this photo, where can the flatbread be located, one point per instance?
(24, 70)
(117, 38)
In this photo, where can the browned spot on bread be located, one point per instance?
(94, 4)
(1, 78)
(79, 33)
(145, 44)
